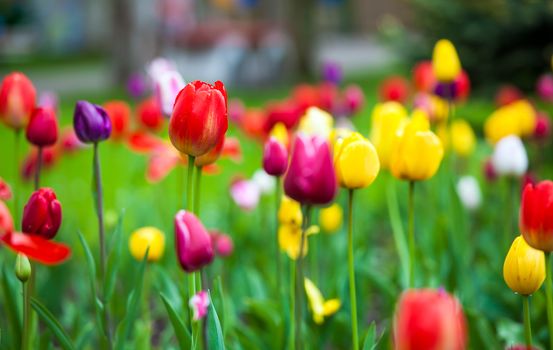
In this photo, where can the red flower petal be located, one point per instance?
(142, 142)
(37, 248)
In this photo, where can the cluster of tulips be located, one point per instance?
(310, 151)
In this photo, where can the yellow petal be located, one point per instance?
(445, 61)
(331, 306)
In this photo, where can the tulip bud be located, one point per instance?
(280, 133)
(445, 62)
(199, 118)
(136, 85)
(394, 89)
(222, 243)
(469, 193)
(330, 218)
(167, 87)
(199, 304)
(144, 238)
(524, 267)
(311, 178)
(354, 99)
(91, 122)
(489, 171)
(192, 242)
(42, 214)
(463, 139)
(544, 87)
(17, 100)
(356, 162)
(332, 72)
(542, 131)
(22, 268)
(275, 157)
(149, 114)
(536, 211)
(42, 130)
(119, 113)
(429, 319)
(509, 157)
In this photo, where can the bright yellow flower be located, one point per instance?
(463, 139)
(289, 212)
(524, 267)
(356, 161)
(319, 307)
(442, 132)
(146, 237)
(387, 119)
(280, 133)
(289, 239)
(440, 109)
(338, 134)
(330, 218)
(445, 61)
(517, 118)
(417, 153)
(316, 122)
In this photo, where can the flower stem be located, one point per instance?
(191, 292)
(351, 268)
(188, 204)
(510, 202)
(16, 178)
(292, 340)
(277, 247)
(299, 278)
(38, 168)
(100, 214)
(527, 323)
(411, 234)
(26, 335)
(549, 296)
(197, 187)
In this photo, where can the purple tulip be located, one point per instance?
(192, 241)
(136, 85)
(91, 122)
(311, 178)
(332, 72)
(275, 157)
(447, 91)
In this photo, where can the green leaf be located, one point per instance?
(215, 339)
(114, 258)
(10, 306)
(83, 337)
(397, 231)
(182, 334)
(125, 327)
(53, 324)
(370, 338)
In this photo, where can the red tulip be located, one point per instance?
(192, 241)
(37, 248)
(232, 149)
(354, 98)
(254, 123)
(42, 214)
(5, 190)
(17, 100)
(305, 96)
(311, 178)
(42, 129)
(275, 157)
(287, 112)
(50, 156)
(462, 83)
(211, 156)
(394, 89)
(423, 76)
(329, 97)
(428, 319)
(199, 118)
(507, 94)
(6, 221)
(119, 113)
(150, 115)
(536, 215)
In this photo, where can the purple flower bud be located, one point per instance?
(332, 73)
(192, 241)
(275, 157)
(447, 91)
(91, 122)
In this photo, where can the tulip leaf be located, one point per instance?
(11, 308)
(114, 258)
(397, 231)
(370, 338)
(53, 324)
(182, 334)
(83, 337)
(215, 339)
(124, 329)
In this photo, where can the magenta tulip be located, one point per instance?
(275, 157)
(192, 241)
(311, 177)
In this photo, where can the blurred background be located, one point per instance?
(85, 46)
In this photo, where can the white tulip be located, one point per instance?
(509, 157)
(264, 181)
(469, 192)
(166, 88)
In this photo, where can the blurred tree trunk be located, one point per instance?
(301, 21)
(121, 40)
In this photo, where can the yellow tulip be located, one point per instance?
(524, 267)
(463, 139)
(319, 307)
(387, 119)
(289, 239)
(330, 218)
(316, 122)
(445, 61)
(338, 134)
(289, 212)
(417, 153)
(146, 237)
(356, 161)
(440, 109)
(517, 118)
(280, 133)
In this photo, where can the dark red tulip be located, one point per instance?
(542, 131)
(536, 215)
(275, 157)
(42, 130)
(17, 100)
(310, 178)
(199, 118)
(192, 242)
(489, 171)
(394, 89)
(42, 214)
(119, 113)
(150, 115)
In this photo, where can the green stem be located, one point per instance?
(100, 214)
(510, 202)
(180, 186)
(191, 160)
(277, 246)
(197, 188)
(26, 335)
(16, 178)
(299, 278)
(191, 292)
(527, 322)
(351, 268)
(411, 234)
(549, 296)
(292, 340)
(38, 168)
(146, 301)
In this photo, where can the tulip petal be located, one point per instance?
(37, 248)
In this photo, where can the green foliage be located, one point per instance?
(53, 324)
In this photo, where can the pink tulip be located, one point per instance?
(544, 87)
(245, 194)
(275, 157)
(192, 242)
(222, 243)
(199, 304)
